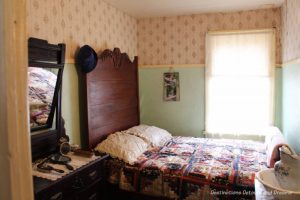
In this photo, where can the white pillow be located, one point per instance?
(153, 135)
(123, 146)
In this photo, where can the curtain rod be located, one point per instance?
(240, 31)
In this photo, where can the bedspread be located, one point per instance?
(193, 168)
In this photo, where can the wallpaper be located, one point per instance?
(181, 39)
(290, 30)
(80, 22)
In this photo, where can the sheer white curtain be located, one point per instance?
(239, 82)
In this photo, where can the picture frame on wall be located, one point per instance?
(171, 86)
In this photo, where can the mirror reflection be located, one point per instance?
(41, 87)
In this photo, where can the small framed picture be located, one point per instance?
(171, 86)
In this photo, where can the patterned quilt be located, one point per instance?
(41, 86)
(193, 168)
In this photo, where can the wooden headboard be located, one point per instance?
(110, 96)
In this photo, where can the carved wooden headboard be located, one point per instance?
(110, 96)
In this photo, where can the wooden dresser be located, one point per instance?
(85, 183)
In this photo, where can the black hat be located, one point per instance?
(86, 59)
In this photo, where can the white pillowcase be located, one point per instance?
(153, 135)
(124, 146)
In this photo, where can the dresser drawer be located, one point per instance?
(85, 178)
(57, 192)
(95, 191)
(92, 173)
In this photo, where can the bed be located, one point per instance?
(193, 168)
(181, 168)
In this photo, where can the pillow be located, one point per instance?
(153, 135)
(123, 146)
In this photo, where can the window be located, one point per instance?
(239, 81)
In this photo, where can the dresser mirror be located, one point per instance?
(42, 84)
(45, 70)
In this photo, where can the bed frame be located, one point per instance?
(110, 97)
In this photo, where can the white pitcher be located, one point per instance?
(287, 169)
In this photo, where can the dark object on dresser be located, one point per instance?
(45, 168)
(85, 183)
(61, 160)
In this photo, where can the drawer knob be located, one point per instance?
(78, 184)
(93, 175)
(93, 197)
(57, 196)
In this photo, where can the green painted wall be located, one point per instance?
(70, 103)
(186, 117)
(278, 98)
(290, 103)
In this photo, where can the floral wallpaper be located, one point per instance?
(181, 39)
(79, 22)
(290, 30)
(163, 40)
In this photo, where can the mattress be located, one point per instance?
(193, 168)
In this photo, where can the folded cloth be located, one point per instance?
(273, 143)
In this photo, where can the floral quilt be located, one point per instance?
(193, 168)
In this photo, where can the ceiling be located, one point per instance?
(155, 8)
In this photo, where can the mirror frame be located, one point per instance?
(44, 139)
